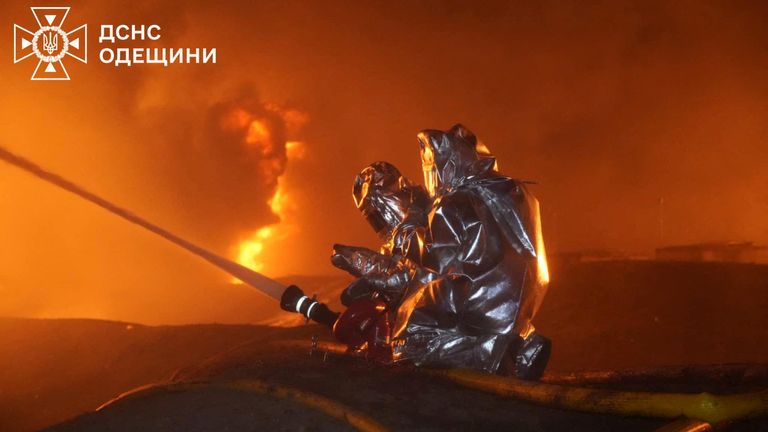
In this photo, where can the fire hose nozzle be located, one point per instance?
(294, 300)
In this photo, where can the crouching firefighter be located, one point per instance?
(396, 210)
(485, 244)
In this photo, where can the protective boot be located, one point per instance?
(532, 357)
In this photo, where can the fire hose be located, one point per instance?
(710, 408)
(698, 411)
(334, 409)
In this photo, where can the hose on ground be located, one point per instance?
(706, 407)
(354, 418)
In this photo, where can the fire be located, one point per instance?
(541, 257)
(260, 136)
(252, 251)
(274, 163)
(541, 253)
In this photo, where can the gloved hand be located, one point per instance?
(360, 261)
(361, 288)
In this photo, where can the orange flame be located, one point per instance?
(252, 250)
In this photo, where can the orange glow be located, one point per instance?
(260, 136)
(236, 120)
(257, 250)
(541, 257)
(251, 249)
(541, 253)
(252, 252)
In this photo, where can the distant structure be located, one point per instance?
(743, 252)
(593, 255)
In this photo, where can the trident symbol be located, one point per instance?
(50, 42)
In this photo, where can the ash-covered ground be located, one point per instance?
(601, 315)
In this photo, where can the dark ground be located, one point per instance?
(603, 315)
(400, 398)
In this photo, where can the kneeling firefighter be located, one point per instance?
(397, 210)
(484, 241)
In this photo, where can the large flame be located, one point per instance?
(252, 251)
(257, 249)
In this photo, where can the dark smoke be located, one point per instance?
(216, 184)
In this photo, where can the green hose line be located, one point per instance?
(701, 406)
(707, 407)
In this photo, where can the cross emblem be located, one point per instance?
(50, 43)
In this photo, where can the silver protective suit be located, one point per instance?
(397, 210)
(466, 299)
(394, 206)
(484, 243)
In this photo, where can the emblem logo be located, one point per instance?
(50, 43)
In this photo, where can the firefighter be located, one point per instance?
(396, 209)
(484, 243)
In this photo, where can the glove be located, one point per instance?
(360, 261)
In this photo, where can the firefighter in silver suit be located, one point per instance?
(467, 298)
(396, 209)
(484, 246)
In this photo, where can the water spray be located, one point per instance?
(291, 298)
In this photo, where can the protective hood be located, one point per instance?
(385, 197)
(449, 159)
(455, 160)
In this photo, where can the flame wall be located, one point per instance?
(610, 106)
